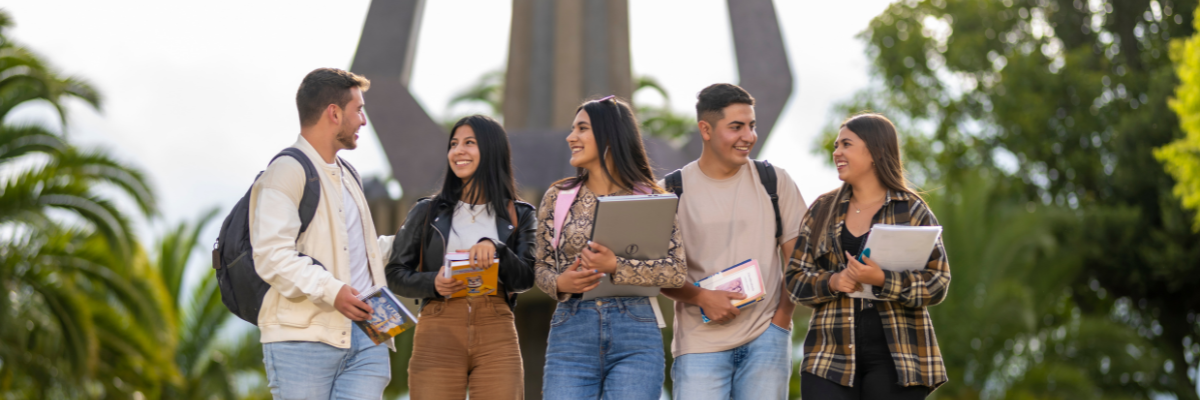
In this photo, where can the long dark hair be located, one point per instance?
(493, 179)
(615, 129)
(879, 135)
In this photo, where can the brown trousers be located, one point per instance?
(466, 343)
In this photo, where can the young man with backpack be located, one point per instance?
(316, 261)
(731, 209)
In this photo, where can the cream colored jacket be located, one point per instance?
(299, 305)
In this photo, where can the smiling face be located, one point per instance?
(464, 152)
(852, 158)
(352, 118)
(732, 137)
(582, 142)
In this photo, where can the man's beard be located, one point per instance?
(346, 138)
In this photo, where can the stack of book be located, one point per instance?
(480, 281)
(744, 278)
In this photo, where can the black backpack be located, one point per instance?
(242, 290)
(766, 175)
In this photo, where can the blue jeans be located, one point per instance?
(756, 370)
(606, 348)
(315, 370)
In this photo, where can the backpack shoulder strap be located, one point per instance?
(766, 174)
(562, 207)
(353, 172)
(312, 186)
(674, 182)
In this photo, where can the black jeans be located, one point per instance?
(874, 371)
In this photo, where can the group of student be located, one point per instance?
(608, 347)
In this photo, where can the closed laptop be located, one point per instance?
(635, 227)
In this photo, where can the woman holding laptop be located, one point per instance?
(858, 348)
(467, 343)
(607, 347)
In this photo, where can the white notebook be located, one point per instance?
(899, 248)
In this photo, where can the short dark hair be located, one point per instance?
(325, 86)
(711, 102)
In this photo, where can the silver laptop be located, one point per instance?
(635, 227)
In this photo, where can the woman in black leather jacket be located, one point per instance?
(468, 342)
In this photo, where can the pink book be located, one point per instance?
(744, 278)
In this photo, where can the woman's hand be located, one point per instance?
(482, 253)
(447, 286)
(578, 280)
(600, 258)
(840, 283)
(868, 273)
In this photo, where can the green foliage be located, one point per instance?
(84, 312)
(662, 121)
(1182, 157)
(487, 90)
(1061, 103)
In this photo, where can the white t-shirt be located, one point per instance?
(725, 222)
(464, 233)
(360, 271)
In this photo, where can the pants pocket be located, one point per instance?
(641, 313)
(502, 310)
(433, 309)
(561, 315)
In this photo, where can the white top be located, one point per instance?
(360, 272)
(464, 233)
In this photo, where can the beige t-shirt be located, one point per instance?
(725, 222)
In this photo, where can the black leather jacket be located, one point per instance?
(514, 247)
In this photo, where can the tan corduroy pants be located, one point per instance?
(466, 343)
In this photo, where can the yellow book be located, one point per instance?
(479, 281)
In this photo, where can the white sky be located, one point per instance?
(201, 95)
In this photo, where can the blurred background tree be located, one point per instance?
(84, 311)
(1182, 157)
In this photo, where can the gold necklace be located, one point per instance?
(856, 208)
(474, 214)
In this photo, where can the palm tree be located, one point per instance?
(212, 360)
(74, 321)
(662, 121)
(487, 90)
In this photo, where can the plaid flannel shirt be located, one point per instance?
(829, 346)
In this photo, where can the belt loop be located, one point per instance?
(621, 304)
(574, 305)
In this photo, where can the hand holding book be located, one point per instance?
(387, 317)
(447, 286)
(717, 305)
(745, 278)
(473, 279)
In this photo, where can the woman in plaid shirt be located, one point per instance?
(856, 348)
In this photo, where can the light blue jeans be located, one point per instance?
(315, 370)
(606, 348)
(756, 370)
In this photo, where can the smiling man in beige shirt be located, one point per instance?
(727, 217)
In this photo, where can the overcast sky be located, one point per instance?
(201, 94)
